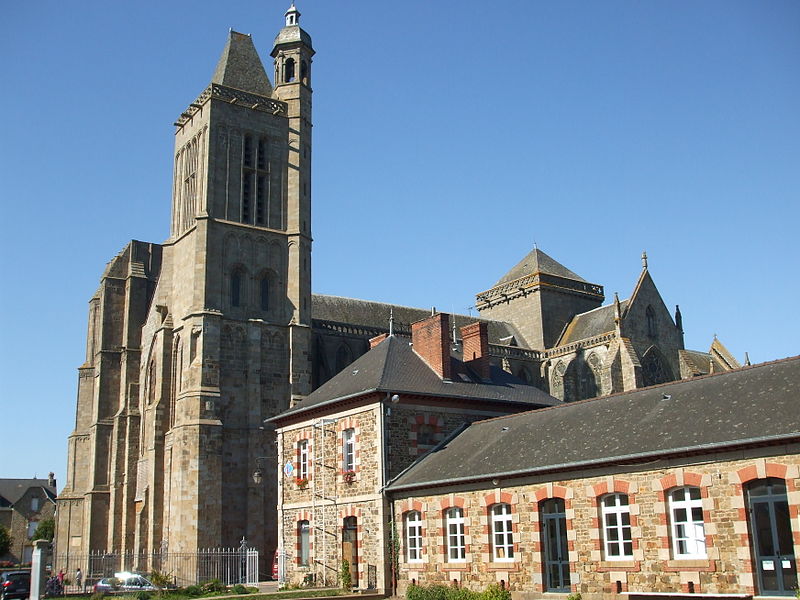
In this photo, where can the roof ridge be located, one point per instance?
(650, 387)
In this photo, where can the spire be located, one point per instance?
(617, 315)
(678, 318)
(746, 359)
(391, 312)
(240, 68)
(644, 259)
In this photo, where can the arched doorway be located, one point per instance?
(350, 546)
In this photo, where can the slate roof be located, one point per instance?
(700, 362)
(591, 323)
(392, 366)
(758, 404)
(11, 490)
(292, 34)
(240, 68)
(375, 315)
(538, 262)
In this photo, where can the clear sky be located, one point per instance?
(449, 137)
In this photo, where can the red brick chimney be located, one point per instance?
(475, 338)
(377, 340)
(431, 340)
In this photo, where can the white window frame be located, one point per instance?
(502, 533)
(454, 534)
(304, 539)
(414, 536)
(349, 450)
(616, 524)
(302, 466)
(688, 531)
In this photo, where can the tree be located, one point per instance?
(45, 530)
(5, 540)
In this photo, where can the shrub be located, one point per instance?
(142, 596)
(442, 592)
(495, 592)
(239, 589)
(194, 590)
(98, 596)
(577, 596)
(213, 585)
(160, 579)
(427, 592)
(346, 576)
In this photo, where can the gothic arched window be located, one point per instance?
(263, 290)
(288, 70)
(236, 288)
(344, 356)
(650, 314)
(654, 368)
(304, 72)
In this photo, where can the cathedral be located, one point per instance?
(194, 344)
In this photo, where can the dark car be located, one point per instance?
(15, 584)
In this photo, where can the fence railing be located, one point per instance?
(228, 565)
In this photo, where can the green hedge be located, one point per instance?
(443, 592)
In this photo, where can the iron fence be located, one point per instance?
(228, 565)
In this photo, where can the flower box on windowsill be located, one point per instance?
(348, 476)
(302, 482)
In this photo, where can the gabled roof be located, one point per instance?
(240, 68)
(375, 315)
(11, 490)
(393, 366)
(538, 262)
(759, 404)
(591, 323)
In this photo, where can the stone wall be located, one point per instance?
(727, 569)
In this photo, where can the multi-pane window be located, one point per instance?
(349, 450)
(303, 542)
(617, 538)
(34, 504)
(502, 536)
(454, 532)
(686, 515)
(32, 525)
(414, 536)
(302, 453)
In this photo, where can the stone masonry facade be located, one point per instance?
(721, 480)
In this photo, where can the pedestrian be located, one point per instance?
(61, 577)
(79, 579)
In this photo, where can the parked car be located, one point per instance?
(15, 584)
(126, 582)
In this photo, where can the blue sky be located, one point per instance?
(448, 138)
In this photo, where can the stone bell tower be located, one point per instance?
(240, 296)
(292, 54)
(195, 342)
